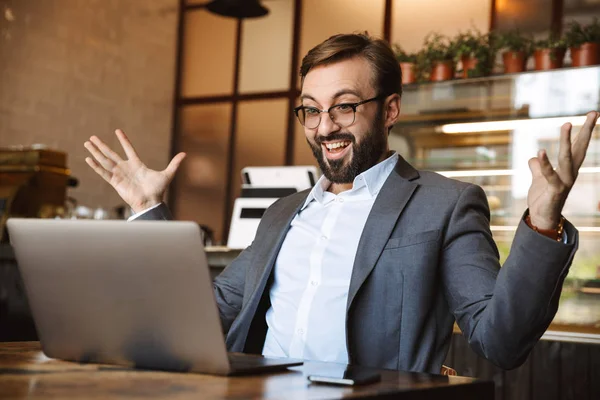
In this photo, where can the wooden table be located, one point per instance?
(26, 373)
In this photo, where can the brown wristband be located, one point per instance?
(555, 234)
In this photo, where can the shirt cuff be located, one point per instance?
(134, 216)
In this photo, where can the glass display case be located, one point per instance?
(485, 130)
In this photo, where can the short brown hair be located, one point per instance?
(386, 70)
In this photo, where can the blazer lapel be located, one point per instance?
(392, 198)
(265, 260)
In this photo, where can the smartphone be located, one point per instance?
(352, 376)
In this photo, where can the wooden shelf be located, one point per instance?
(463, 115)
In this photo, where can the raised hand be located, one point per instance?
(550, 188)
(138, 185)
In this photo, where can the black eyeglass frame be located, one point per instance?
(352, 105)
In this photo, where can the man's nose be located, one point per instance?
(326, 125)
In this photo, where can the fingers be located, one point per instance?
(565, 162)
(582, 140)
(535, 167)
(107, 151)
(173, 165)
(98, 169)
(127, 146)
(104, 161)
(547, 170)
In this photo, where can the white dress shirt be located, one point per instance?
(307, 317)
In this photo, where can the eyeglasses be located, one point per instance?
(341, 114)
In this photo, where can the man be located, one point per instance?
(374, 263)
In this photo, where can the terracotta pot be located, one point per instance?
(514, 61)
(408, 72)
(468, 63)
(586, 54)
(548, 59)
(442, 71)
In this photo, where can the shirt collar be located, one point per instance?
(373, 179)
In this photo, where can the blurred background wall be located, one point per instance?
(74, 68)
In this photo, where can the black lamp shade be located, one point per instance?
(237, 8)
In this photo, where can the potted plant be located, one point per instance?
(408, 63)
(436, 59)
(584, 43)
(549, 53)
(476, 53)
(517, 49)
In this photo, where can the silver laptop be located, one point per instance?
(137, 294)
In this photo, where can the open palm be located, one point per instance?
(138, 185)
(550, 188)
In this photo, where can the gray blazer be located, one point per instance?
(425, 258)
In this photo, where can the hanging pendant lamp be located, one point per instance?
(237, 8)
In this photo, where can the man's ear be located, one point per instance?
(392, 109)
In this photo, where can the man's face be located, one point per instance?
(345, 152)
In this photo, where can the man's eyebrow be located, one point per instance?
(307, 96)
(339, 93)
(346, 91)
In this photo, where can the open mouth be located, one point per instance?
(337, 149)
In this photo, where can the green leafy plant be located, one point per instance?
(436, 48)
(552, 42)
(403, 56)
(578, 34)
(477, 45)
(585, 267)
(514, 41)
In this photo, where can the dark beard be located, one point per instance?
(364, 155)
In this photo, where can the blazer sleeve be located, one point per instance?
(159, 213)
(501, 311)
(229, 288)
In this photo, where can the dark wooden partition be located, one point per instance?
(553, 371)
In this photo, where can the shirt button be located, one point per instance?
(323, 237)
(300, 331)
(314, 283)
(340, 200)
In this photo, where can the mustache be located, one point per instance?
(335, 136)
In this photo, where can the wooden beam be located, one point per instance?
(175, 118)
(232, 133)
(557, 17)
(293, 92)
(387, 21)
